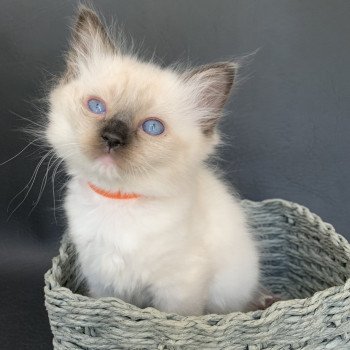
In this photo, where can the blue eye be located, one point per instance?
(96, 106)
(153, 127)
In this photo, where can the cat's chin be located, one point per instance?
(105, 167)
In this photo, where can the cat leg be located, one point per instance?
(183, 300)
(232, 290)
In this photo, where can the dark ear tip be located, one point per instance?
(228, 67)
(85, 10)
(85, 15)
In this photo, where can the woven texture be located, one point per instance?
(303, 259)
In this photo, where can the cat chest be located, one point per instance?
(110, 230)
(123, 241)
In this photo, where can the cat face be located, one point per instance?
(122, 122)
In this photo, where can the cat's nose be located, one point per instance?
(112, 140)
(115, 134)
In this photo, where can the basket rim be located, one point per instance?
(52, 287)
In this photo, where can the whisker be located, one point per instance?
(19, 153)
(54, 173)
(43, 183)
(26, 119)
(28, 186)
(53, 187)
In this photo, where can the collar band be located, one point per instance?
(113, 195)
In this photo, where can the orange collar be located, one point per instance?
(113, 195)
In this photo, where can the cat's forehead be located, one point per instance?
(127, 76)
(130, 86)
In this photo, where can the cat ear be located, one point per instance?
(89, 38)
(212, 84)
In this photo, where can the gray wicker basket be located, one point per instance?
(304, 260)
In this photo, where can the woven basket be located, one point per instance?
(303, 260)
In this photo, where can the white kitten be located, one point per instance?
(172, 236)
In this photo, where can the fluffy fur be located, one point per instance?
(184, 246)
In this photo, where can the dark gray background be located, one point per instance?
(287, 133)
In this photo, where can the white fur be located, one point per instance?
(192, 252)
(184, 246)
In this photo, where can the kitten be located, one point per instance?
(151, 221)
